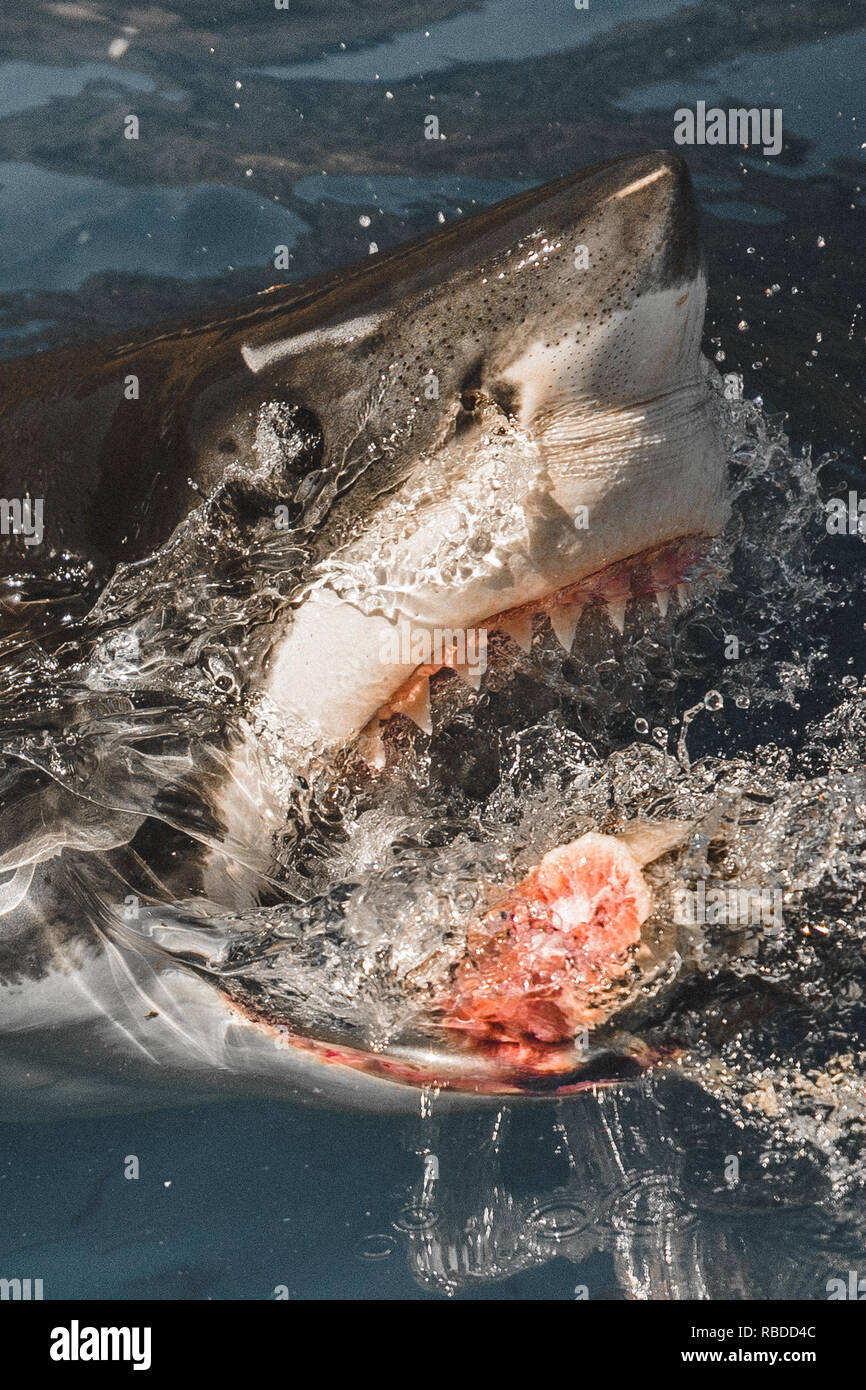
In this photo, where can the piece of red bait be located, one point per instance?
(539, 966)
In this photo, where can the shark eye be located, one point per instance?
(289, 438)
(471, 382)
(500, 395)
(470, 400)
(221, 672)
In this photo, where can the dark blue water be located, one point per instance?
(259, 129)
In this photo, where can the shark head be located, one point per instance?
(509, 419)
(506, 418)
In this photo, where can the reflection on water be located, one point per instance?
(608, 1196)
(25, 85)
(185, 232)
(521, 93)
(829, 114)
(499, 29)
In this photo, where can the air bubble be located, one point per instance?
(377, 1247)
(557, 1219)
(414, 1219)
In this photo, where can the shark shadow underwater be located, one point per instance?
(268, 543)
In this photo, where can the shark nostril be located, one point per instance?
(470, 399)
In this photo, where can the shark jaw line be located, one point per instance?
(543, 1070)
(652, 574)
(534, 1001)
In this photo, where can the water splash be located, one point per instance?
(739, 713)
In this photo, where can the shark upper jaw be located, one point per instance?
(586, 438)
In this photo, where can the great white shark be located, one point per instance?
(507, 419)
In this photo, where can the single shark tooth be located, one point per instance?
(371, 746)
(663, 599)
(616, 613)
(469, 674)
(649, 840)
(416, 705)
(519, 629)
(684, 593)
(564, 619)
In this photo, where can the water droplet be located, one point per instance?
(713, 700)
(651, 1205)
(413, 1219)
(556, 1219)
(377, 1247)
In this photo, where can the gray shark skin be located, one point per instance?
(71, 436)
(565, 323)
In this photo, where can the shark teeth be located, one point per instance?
(470, 675)
(371, 746)
(564, 620)
(684, 593)
(616, 613)
(416, 705)
(663, 599)
(519, 629)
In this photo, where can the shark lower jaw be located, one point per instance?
(528, 1068)
(531, 999)
(457, 1047)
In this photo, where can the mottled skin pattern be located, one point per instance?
(114, 472)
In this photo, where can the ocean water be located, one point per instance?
(304, 128)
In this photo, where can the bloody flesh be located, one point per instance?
(538, 966)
